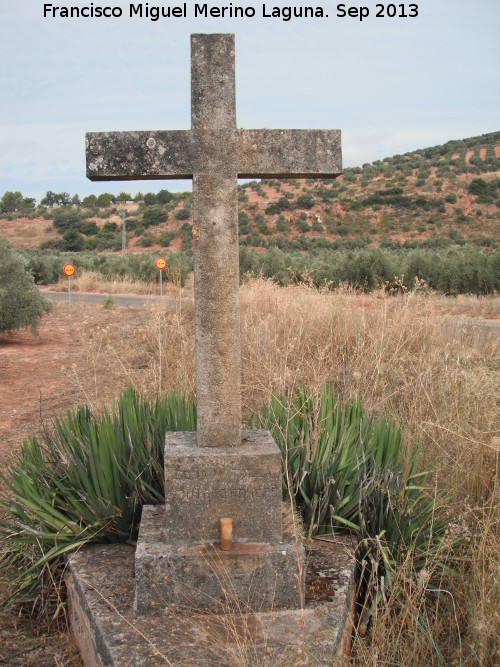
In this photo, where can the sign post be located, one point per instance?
(124, 234)
(69, 270)
(160, 264)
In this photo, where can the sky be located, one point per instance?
(392, 84)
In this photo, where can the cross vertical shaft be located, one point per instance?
(215, 233)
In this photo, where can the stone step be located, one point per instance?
(101, 589)
(201, 578)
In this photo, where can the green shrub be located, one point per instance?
(146, 240)
(486, 192)
(182, 214)
(89, 228)
(150, 199)
(86, 480)
(44, 269)
(187, 237)
(107, 241)
(89, 213)
(282, 225)
(283, 204)
(104, 199)
(90, 200)
(260, 221)
(108, 302)
(154, 215)
(67, 219)
(305, 201)
(167, 238)
(445, 267)
(165, 197)
(72, 241)
(21, 304)
(349, 176)
(303, 226)
(456, 236)
(136, 266)
(131, 223)
(317, 225)
(243, 223)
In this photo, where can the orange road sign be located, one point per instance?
(68, 270)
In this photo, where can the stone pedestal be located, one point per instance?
(204, 484)
(178, 558)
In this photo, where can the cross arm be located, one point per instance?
(289, 153)
(122, 156)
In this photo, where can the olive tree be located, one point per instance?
(21, 304)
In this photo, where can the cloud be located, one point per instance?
(391, 85)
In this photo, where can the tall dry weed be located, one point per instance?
(391, 351)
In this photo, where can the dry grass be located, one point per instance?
(391, 351)
(396, 354)
(25, 233)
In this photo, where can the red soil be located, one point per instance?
(34, 372)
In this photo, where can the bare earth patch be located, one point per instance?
(34, 376)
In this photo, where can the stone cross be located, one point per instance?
(215, 153)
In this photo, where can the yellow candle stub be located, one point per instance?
(226, 534)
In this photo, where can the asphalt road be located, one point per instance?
(123, 300)
(482, 327)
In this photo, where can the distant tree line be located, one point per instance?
(453, 270)
(16, 201)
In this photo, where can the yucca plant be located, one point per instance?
(86, 479)
(321, 448)
(345, 469)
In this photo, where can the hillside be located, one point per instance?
(433, 197)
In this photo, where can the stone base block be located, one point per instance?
(205, 484)
(100, 583)
(251, 577)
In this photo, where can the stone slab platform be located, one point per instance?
(101, 586)
(205, 484)
(250, 577)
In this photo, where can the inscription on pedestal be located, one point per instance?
(203, 484)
